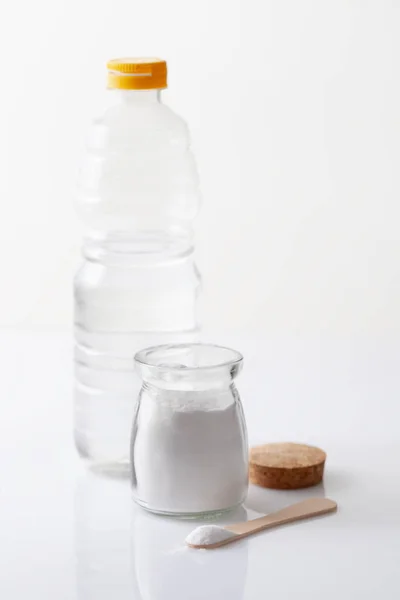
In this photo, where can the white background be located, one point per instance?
(294, 112)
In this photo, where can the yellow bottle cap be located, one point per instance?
(137, 73)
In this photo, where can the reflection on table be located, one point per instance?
(126, 553)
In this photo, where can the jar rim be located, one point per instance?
(162, 357)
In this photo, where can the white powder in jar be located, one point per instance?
(190, 452)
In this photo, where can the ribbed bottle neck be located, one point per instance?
(136, 249)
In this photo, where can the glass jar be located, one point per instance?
(189, 453)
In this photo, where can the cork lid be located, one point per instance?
(286, 465)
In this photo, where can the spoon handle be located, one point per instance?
(302, 510)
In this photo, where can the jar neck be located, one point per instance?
(135, 96)
(188, 367)
(199, 388)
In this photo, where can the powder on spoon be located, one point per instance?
(207, 535)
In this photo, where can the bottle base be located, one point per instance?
(114, 469)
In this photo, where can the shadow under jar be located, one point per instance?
(189, 452)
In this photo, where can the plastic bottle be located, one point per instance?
(138, 194)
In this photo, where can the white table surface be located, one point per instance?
(68, 534)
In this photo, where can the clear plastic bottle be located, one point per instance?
(138, 195)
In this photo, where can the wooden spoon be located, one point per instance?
(311, 507)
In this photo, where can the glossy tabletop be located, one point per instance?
(67, 533)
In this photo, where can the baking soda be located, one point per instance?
(207, 535)
(190, 452)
